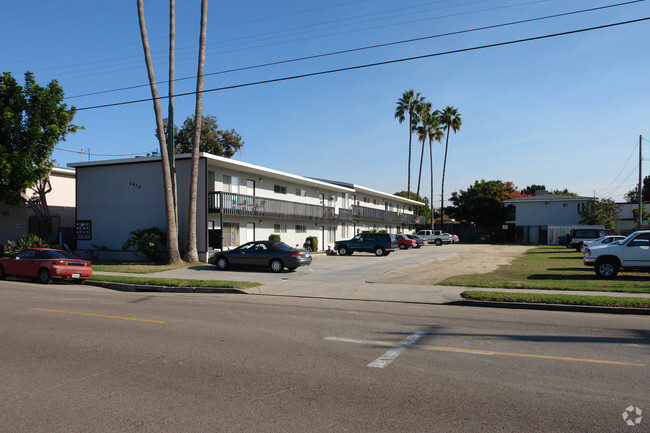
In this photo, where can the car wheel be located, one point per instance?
(2, 273)
(222, 263)
(44, 276)
(606, 268)
(342, 251)
(438, 242)
(402, 247)
(418, 246)
(379, 251)
(276, 265)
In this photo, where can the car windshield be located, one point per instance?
(281, 246)
(58, 254)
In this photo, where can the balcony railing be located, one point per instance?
(228, 203)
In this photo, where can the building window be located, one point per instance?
(227, 182)
(279, 189)
(301, 229)
(374, 201)
(84, 230)
(301, 192)
(230, 234)
(280, 228)
(366, 200)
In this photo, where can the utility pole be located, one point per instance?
(640, 187)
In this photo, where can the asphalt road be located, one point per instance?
(86, 359)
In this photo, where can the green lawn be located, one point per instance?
(136, 267)
(175, 282)
(553, 268)
(600, 301)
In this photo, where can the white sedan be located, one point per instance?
(601, 241)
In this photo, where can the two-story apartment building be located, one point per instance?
(237, 202)
(18, 220)
(543, 217)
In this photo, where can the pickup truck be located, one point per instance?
(435, 236)
(633, 252)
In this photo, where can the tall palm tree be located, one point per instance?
(434, 133)
(191, 253)
(450, 120)
(170, 107)
(422, 130)
(408, 103)
(172, 227)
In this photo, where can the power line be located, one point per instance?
(369, 47)
(620, 171)
(370, 65)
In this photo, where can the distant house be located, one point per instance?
(237, 203)
(627, 223)
(18, 220)
(542, 218)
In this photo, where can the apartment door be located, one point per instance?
(250, 187)
(250, 232)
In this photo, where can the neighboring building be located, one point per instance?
(542, 218)
(237, 203)
(627, 224)
(20, 219)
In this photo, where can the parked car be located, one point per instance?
(601, 241)
(404, 242)
(381, 244)
(435, 236)
(633, 252)
(419, 241)
(576, 237)
(45, 264)
(453, 238)
(274, 255)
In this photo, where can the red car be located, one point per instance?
(403, 242)
(44, 264)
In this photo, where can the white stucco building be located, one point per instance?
(237, 203)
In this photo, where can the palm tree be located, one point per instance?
(170, 113)
(191, 253)
(422, 130)
(450, 120)
(172, 227)
(408, 103)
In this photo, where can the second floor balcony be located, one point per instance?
(228, 203)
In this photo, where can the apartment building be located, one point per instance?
(237, 202)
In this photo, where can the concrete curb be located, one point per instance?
(166, 289)
(552, 307)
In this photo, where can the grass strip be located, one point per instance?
(542, 298)
(171, 282)
(552, 267)
(137, 268)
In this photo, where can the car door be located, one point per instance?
(23, 265)
(369, 241)
(356, 243)
(636, 252)
(242, 256)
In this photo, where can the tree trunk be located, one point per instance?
(172, 228)
(170, 113)
(431, 199)
(191, 253)
(442, 197)
(408, 185)
(417, 194)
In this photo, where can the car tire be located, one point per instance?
(438, 242)
(222, 263)
(276, 265)
(606, 268)
(343, 251)
(379, 251)
(44, 276)
(402, 247)
(3, 275)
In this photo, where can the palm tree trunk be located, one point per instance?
(417, 194)
(408, 185)
(431, 196)
(442, 197)
(170, 113)
(172, 228)
(191, 253)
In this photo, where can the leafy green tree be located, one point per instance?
(604, 212)
(530, 190)
(563, 192)
(34, 119)
(408, 104)
(633, 195)
(213, 140)
(482, 203)
(451, 121)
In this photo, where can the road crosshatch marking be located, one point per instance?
(406, 345)
(100, 315)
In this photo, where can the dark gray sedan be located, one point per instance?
(263, 254)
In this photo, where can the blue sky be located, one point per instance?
(565, 111)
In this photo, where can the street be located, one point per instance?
(82, 358)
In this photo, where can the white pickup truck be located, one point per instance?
(435, 237)
(633, 252)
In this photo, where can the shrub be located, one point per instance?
(274, 237)
(312, 241)
(146, 242)
(26, 241)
